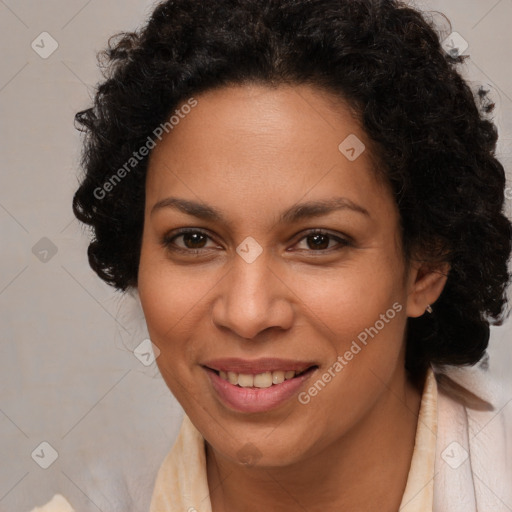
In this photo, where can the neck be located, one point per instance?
(351, 474)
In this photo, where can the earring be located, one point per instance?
(428, 309)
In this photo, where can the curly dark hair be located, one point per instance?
(385, 59)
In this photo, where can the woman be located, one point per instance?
(305, 197)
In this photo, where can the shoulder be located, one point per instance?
(57, 504)
(474, 438)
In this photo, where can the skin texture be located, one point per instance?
(252, 152)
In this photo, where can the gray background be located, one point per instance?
(68, 373)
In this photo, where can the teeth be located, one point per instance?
(245, 380)
(261, 380)
(277, 377)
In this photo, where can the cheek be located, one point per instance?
(174, 300)
(346, 302)
(170, 300)
(361, 314)
(166, 298)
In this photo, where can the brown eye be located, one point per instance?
(318, 241)
(193, 241)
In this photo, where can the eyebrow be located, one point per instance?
(293, 214)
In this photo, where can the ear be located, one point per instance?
(425, 284)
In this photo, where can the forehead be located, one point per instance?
(264, 145)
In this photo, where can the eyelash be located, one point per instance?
(167, 241)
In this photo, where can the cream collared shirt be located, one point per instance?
(181, 484)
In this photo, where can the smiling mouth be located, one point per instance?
(260, 380)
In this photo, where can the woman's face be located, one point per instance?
(250, 172)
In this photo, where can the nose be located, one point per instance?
(253, 298)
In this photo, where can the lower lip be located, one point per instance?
(257, 399)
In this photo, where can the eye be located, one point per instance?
(193, 240)
(319, 241)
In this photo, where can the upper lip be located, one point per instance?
(256, 366)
